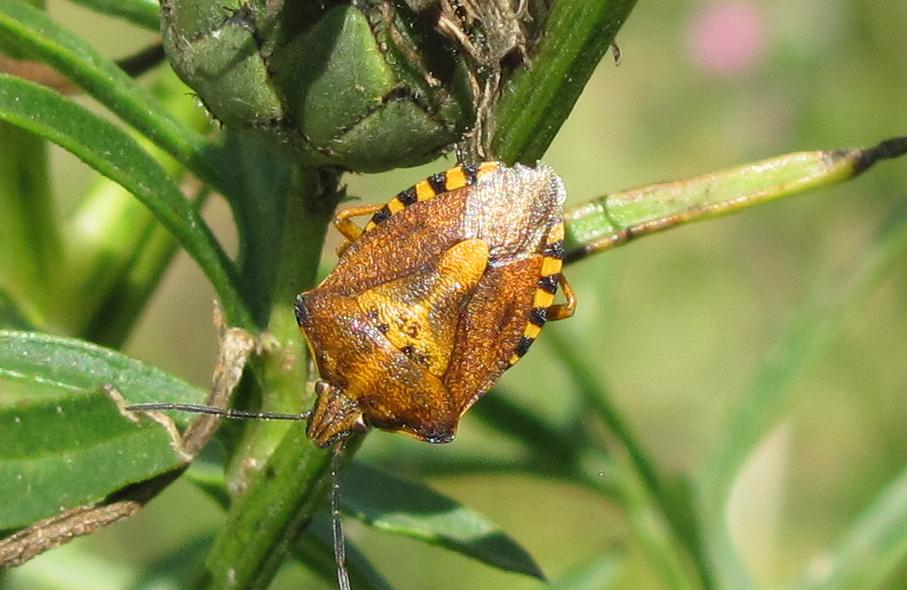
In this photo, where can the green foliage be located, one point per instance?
(365, 89)
(401, 507)
(49, 459)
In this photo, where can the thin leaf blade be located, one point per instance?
(596, 574)
(114, 154)
(870, 551)
(142, 13)
(35, 32)
(615, 219)
(406, 508)
(11, 317)
(59, 429)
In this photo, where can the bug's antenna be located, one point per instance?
(214, 411)
(343, 577)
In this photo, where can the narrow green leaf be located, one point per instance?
(638, 485)
(11, 317)
(538, 100)
(143, 13)
(870, 552)
(615, 219)
(111, 152)
(413, 510)
(77, 366)
(116, 250)
(771, 393)
(818, 322)
(64, 441)
(548, 446)
(33, 31)
(316, 551)
(175, 570)
(30, 244)
(596, 574)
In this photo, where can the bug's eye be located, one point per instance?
(302, 314)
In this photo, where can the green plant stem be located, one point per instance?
(110, 234)
(30, 245)
(618, 479)
(114, 320)
(538, 99)
(274, 502)
(277, 505)
(282, 370)
(613, 220)
(598, 399)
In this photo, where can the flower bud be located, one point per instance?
(365, 88)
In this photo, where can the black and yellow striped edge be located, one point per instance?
(552, 262)
(436, 184)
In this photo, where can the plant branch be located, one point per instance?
(613, 220)
(273, 503)
(537, 101)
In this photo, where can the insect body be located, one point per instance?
(442, 291)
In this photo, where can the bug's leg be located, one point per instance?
(344, 224)
(562, 311)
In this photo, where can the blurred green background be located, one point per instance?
(677, 324)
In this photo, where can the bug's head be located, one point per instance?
(336, 415)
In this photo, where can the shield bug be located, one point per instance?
(446, 286)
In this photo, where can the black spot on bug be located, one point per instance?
(548, 284)
(383, 328)
(438, 182)
(408, 197)
(381, 215)
(470, 173)
(408, 351)
(555, 250)
(523, 346)
(538, 316)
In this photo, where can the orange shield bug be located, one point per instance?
(445, 288)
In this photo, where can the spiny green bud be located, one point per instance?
(368, 87)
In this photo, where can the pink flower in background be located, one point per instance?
(727, 38)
